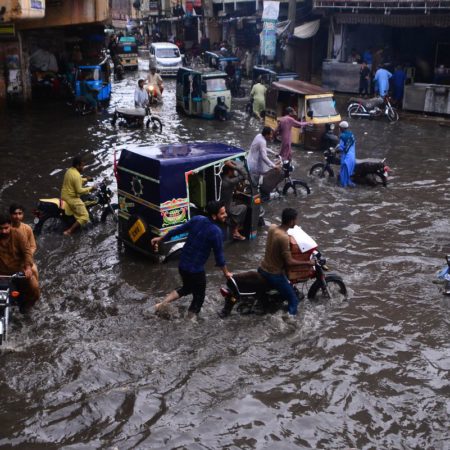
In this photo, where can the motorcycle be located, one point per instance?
(280, 182)
(135, 117)
(153, 95)
(372, 108)
(367, 171)
(252, 294)
(9, 296)
(50, 214)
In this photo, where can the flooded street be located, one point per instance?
(91, 370)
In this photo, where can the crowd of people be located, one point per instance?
(375, 78)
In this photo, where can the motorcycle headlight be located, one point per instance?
(332, 126)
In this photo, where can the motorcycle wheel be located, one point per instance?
(110, 209)
(319, 170)
(82, 108)
(300, 188)
(354, 109)
(156, 124)
(47, 224)
(335, 292)
(392, 115)
(380, 179)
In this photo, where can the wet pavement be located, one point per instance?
(91, 370)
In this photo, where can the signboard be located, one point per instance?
(271, 10)
(7, 30)
(153, 8)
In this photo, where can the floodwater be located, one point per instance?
(91, 370)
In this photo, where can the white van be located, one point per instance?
(166, 57)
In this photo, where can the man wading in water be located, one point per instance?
(204, 235)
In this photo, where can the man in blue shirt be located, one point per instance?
(382, 81)
(204, 235)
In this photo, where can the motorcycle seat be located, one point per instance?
(368, 103)
(131, 112)
(51, 204)
(248, 283)
(368, 161)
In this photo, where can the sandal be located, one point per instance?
(238, 237)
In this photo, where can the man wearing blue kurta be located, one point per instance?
(382, 81)
(348, 158)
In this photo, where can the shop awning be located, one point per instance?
(396, 20)
(307, 30)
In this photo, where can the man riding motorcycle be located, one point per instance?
(278, 257)
(155, 82)
(72, 190)
(16, 256)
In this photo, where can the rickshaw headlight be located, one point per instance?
(332, 126)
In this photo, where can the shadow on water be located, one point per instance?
(93, 368)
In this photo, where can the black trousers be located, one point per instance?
(195, 284)
(364, 87)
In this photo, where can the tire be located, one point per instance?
(392, 115)
(82, 108)
(156, 124)
(321, 171)
(48, 224)
(336, 289)
(354, 108)
(111, 209)
(381, 179)
(300, 188)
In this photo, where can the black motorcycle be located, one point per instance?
(372, 108)
(136, 117)
(9, 296)
(367, 171)
(282, 183)
(252, 294)
(50, 214)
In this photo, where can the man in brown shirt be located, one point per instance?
(16, 256)
(16, 213)
(278, 257)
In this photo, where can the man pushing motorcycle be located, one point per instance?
(278, 257)
(72, 190)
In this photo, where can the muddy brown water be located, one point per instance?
(90, 369)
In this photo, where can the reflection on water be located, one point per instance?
(93, 369)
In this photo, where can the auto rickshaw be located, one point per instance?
(201, 92)
(163, 186)
(127, 50)
(312, 103)
(97, 78)
(269, 74)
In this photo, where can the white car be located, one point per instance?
(166, 57)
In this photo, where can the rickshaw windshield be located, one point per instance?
(322, 107)
(89, 74)
(215, 85)
(167, 53)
